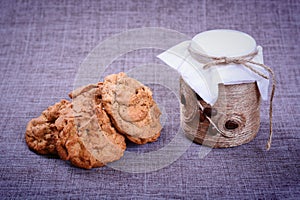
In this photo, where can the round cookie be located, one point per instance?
(86, 136)
(131, 107)
(41, 133)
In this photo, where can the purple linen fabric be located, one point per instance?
(42, 45)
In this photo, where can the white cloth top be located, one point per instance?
(217, 43)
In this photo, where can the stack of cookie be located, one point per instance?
(90, 131)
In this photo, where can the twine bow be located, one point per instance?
(246, 61)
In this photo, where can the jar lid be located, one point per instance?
(217, 43)
(224, 42)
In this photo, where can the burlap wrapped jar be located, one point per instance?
(223, 80)
(236, 113)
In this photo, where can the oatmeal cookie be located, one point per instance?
(86, 136)
(131, 107)
(41, 133)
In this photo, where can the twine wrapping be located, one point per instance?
(244, 60)
(236, 103)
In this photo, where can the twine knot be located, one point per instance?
(246, 61)
(224, 60)
(227, 60)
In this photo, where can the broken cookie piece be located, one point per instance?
(131, 107)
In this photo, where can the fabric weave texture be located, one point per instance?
(42, 44)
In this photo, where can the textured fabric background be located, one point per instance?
(42, 44)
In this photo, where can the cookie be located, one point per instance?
(41, 133)
(131, 107)
(87, 130)
(86, 137)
